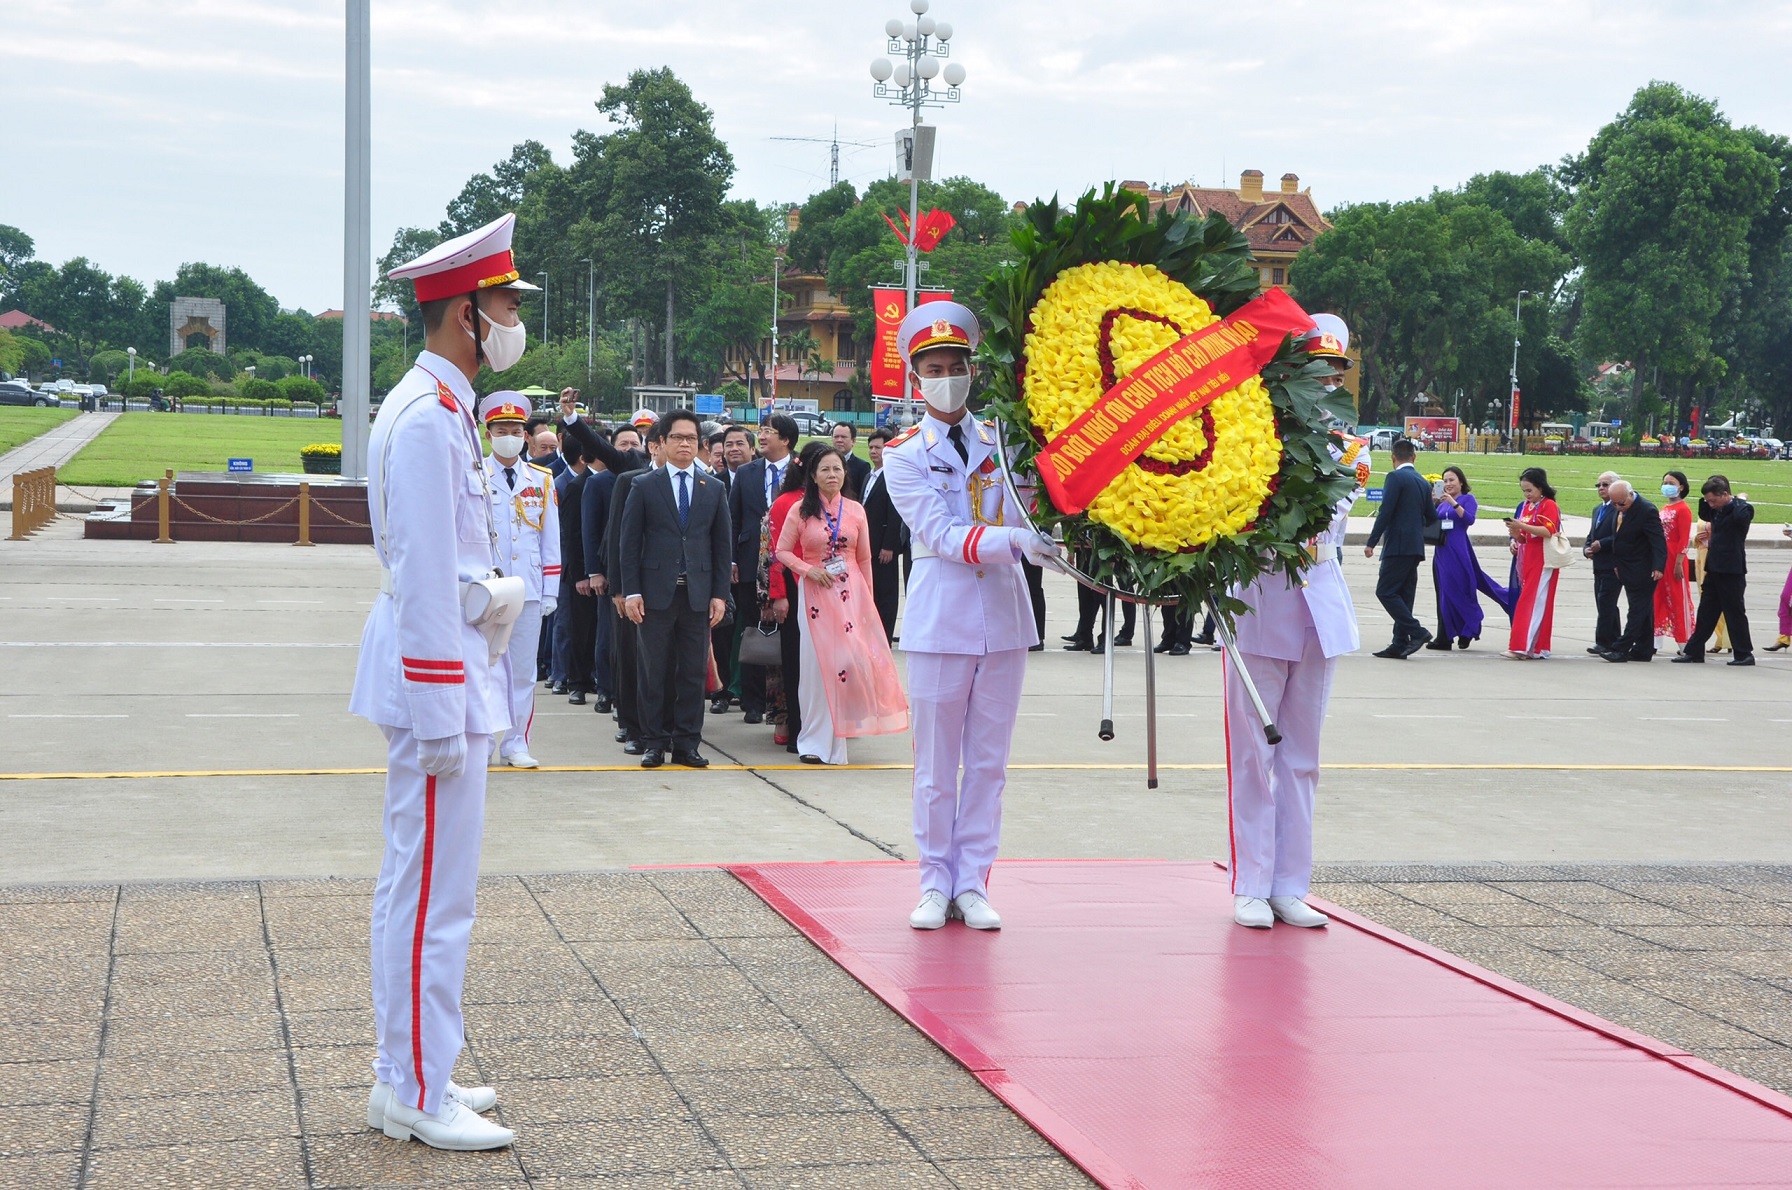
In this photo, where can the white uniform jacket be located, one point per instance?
(1276, 626)
(422, 666)
(528, 524)
(967, 593)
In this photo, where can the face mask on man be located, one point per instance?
(507, 446)
(504, 345)
(946, 393)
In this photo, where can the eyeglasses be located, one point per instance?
(682, 438)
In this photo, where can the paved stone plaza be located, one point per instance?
(182, 945)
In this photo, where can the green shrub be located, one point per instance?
(302, 388)
(257, 389)
(105, 365)
(199, 361)
(185, 384)
(144, 387)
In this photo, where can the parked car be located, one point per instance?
(14, 392)
(808, 422)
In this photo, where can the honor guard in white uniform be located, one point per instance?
(969, 621)
(526, 514)
(1289, 642)
(433, 675)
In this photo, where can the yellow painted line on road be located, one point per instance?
(810, 768)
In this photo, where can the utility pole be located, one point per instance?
(590, 317)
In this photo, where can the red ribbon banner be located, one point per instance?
(1180, 380)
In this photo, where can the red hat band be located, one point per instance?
(496, 269)
(940, 333)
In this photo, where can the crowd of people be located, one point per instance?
(1651, 555)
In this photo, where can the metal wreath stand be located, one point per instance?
(1115, 596)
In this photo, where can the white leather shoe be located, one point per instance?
(930, 914)
(976, 911)
(456, 1127)
(1253, 912)
(1296, 912)
(478, 1098)
(522, 760)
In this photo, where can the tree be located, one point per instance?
(15, 249)
(202, 361)
(1664, 199)
(12, 353)
(76, 299)
(653, 192)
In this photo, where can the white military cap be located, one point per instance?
(478, 260)
(936, 324)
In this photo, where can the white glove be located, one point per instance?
(1042, 551)
(548, 604)
(445, 757)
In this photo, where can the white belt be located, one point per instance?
(917, 551)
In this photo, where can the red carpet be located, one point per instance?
(1159, 1045)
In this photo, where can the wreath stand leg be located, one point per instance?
(1150, 705)
(1107, 674)
(1230, 643)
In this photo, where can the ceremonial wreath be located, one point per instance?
(1169, 414)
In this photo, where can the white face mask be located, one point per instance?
(504, 346)
(946, 393)
(507, 446)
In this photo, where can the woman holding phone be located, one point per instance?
(1455, 571)
(1534, 521)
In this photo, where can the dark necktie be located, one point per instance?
(773, 472)
(956, 434)
(684, 499)
(510, 477)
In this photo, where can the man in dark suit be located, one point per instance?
(572, 632)
(594, 518)
(1639, 554)
(888, 535)
(858, 471)
(676, 549)
(624, 636)
(1606, 586)
(1724, 577)
(1406, 509)
(755, 485)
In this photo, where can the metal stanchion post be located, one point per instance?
(304, 514)
(1150, 704)
(1107, 673)
(162, 485)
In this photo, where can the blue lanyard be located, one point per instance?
(833, 520)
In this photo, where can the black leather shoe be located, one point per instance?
(653, 758)
(576, 698)
(1123, 641)
(1203, 639)
(1392, 652)
(1078, 646)
(1611, 656)
(1071, 637)
(1438, 646)
(1177, 651)
(622, 735)
(633, 748)
(557, 688)
(1411, 647)
(604, 705)
(790, 747)
(807, 759)
(690, 758)
(1462, 642)
(1038, 648)
(718, 706)
(1162, 646)
(755, 717)
(1688, 659)
(1749, 660)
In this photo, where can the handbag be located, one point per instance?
(759, 645)
(1557, 553)
(1434, 533)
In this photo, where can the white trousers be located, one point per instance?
(817, 736)
(963, 709)
(525, 641)
(1270, 790)
(423, 917)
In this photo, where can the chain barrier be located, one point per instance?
(222, 521)
(318, 506)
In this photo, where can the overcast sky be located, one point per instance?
(143, 134)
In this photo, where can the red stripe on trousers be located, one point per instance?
(439, 679)
(429, 849)
(1226, 721)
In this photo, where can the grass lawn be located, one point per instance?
(142, 445)
(23, 424)
(1494, 478)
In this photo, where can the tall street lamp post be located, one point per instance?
(131, 364)
(1517, 329)
(544, 304)
(918, 47)
(590, 317)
